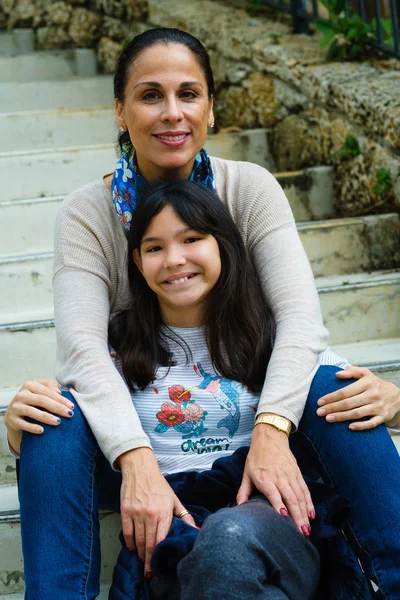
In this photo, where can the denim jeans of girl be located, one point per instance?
(64, 479)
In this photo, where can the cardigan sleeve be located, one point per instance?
(82, 285)
(289, 288)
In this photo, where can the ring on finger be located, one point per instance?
(183, 514)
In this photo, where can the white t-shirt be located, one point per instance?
(192, 414)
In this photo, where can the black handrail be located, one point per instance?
(303, 12)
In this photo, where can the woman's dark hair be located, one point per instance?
(238, 323)
(152, 37)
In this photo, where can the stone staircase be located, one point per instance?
(56, 133)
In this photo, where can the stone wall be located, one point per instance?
(101, 24)
(266, 77)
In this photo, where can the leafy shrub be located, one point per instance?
(347, 33)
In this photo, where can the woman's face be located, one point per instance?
(166, 110)
(180, 265)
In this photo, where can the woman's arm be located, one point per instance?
(288, 285)
(89, 275)
(84, 364)
(38, 400)
(370, 396)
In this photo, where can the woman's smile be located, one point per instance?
(171, 138)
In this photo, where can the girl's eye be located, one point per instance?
(192, 239)
(149, 96)
(153, 249)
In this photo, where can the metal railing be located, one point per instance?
(377, 11)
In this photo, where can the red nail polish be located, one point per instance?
(305, 529)
(312, 514)
(284, 512)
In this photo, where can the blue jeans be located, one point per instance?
(249, 551)
(364, 466)
(64, 479)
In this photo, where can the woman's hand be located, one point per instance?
(38, 400)
(148, 504)
(273, 470)
(370, 396)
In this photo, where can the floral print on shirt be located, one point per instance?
(186, 415)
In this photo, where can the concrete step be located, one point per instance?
(23, 131)
(11, 568)
(21, 220)
(352, 245)
(30, 349)
(58, 171)
(8, 471)
(18, 41)
(26, 284)
(358, 308)
(27, 226)
(361, 306)
(45, 65)
(104, 589)
(74, 92)
(310, 192)
(339, 246)
(37, 66)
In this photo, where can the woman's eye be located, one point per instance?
(149, 96)
(153, 249)
(191, 240)
(188, 95)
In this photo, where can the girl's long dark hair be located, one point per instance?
(238, 330)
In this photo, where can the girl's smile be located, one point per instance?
(180, 265)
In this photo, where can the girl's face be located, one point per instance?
(180, 265)
(166, 111)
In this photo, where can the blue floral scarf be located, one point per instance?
(128, 181)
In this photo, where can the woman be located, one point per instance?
(164, 91)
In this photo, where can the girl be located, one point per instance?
(193, 348)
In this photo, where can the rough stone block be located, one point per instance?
(108, 53)
(85, 27)
(51, 38)
(114, 29)
(137, 9)
(59, 14)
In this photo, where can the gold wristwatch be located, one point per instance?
(280, 423)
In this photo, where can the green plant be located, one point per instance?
(347, 33)
(275, 37)
(350, 149)
(383, 183)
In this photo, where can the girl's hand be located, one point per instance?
(370, 396)
(38, 400)
(148, 504)
(273, 470)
